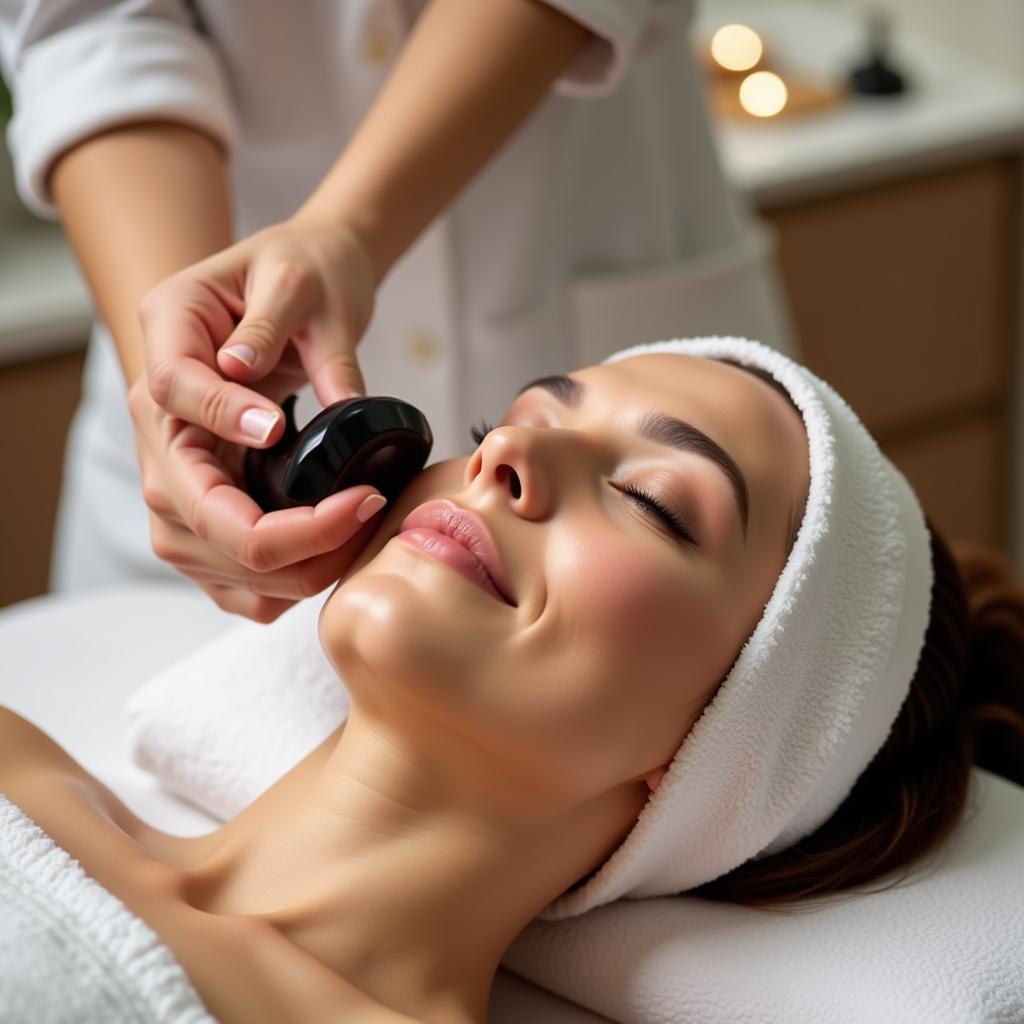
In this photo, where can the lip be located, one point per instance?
(469, 531)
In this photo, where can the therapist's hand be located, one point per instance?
(303, 282)
(299, 295)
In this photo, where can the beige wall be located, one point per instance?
(990, 31)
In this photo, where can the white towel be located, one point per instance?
(227, 721)
(945, 947)
(72, 953)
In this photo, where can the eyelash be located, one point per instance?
(662, 511)
(666, 514)
(479, 433)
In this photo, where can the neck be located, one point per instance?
(409, 889)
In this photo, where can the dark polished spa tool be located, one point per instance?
(375, 440)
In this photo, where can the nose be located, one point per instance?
(526, 463)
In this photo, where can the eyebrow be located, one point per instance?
(662, 429)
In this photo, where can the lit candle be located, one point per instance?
(736, 47)
(763, 94)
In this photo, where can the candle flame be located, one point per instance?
(763, 94)
(736, 47)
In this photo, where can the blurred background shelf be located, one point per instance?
(956, 109)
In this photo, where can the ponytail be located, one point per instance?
(965, 707)
(993, 691)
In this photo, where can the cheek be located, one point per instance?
(660, 628)
(645, 609)
(637, 637)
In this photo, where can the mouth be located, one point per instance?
(462, 539)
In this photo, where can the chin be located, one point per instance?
(389, 627)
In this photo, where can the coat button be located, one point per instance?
(423, 348)
(378, 46)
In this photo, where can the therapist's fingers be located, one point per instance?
(185, 320)
(327, 342)
(331, 365)
(198, 395)
(271, 559)
(228, 518)
(177, 545)
(190, 477)
(281, 297)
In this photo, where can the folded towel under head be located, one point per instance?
(815, 689)
(229, 719)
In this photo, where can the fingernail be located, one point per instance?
(258, 423)
(243, 353)
(369, 506)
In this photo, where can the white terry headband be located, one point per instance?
(815, 690)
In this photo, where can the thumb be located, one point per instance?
(281, 299)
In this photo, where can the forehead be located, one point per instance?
(746, 416)
(715, 388)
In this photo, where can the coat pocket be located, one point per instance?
(732, 290)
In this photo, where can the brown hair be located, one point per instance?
(965, 706)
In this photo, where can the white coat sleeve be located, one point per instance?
(623, 30)
(76, 68)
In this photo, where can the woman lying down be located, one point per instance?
(706, 642)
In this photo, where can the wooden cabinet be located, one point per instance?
(905, 297)
(37, 401)
(45, 316)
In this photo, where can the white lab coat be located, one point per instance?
(604, 221)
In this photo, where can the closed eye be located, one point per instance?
(640, 496)
(674, 523)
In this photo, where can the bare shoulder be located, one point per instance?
(243, 969)
(50, 786)
(24, 747)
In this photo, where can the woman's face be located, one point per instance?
(621, 628)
